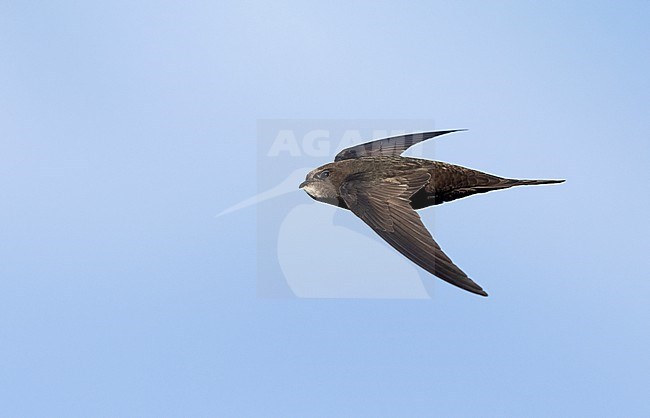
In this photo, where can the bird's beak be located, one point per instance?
(303, 184)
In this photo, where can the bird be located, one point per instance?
(383, 188)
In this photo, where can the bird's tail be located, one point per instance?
(533, 182)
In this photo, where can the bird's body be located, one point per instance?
(448, 181)
(384, 189)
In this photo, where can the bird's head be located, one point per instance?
(323, 184)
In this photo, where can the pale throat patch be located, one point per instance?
(313, 190)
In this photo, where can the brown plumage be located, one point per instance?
(384, 189)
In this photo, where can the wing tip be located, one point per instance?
(474, 287)
(477, 290)
(441, 132)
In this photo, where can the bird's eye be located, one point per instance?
(324, 174)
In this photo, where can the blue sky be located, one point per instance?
(126, 127)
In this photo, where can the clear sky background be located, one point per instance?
(126, 126)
